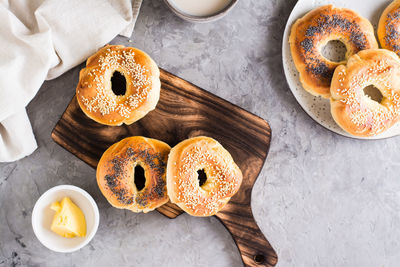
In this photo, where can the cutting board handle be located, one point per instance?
(254, 248)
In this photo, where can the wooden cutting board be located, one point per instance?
(185, 111)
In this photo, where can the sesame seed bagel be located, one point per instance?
(389, 27)
(94, 91)
(223, 176)
(351, 108)
(116, 174)
(312, 32)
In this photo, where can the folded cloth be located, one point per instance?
(41, 39)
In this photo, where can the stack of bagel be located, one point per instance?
(365, 65)
(139, 173)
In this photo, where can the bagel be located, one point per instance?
(353, 110)
(388, 27)
(116, 174)
(223, 176)
(312, 32)
(95, 93)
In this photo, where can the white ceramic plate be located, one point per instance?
(319, 108)
(42, 217)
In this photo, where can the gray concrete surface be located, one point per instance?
(321, 199)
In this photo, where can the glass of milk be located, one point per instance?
(200, 10)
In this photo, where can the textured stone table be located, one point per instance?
(321, 199)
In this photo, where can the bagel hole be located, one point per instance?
(334, 50)
(139, 177)
(118, 83)
(202, 176)
(374, 93)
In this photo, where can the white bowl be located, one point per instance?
(201, 19)
(42, 217)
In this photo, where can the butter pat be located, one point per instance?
(69, 220)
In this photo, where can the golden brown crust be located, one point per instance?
(223, 176)
(388, 27)
(94, 93)
(115, 173)
(313, 31)
(354, 111)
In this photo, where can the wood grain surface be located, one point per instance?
(185, 111)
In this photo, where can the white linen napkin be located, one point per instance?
(42, 39)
